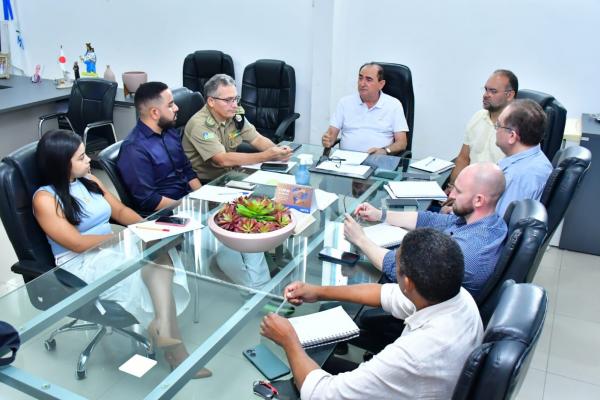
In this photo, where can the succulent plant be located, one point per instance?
(253, 215)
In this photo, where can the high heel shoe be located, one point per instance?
(201, 373)
(158, 340)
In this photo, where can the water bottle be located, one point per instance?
(302, 173)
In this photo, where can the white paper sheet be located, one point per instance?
(150, 230)
(270, 178)
(343, 168)
(350, 157)
(218, 194)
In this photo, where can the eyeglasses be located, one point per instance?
(336, 160)
(493, 91)
(229, 100)
(498, 126)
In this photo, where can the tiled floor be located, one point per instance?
(566, 363)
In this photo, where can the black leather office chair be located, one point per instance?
(90, 113)
(19, 179)
(570, 166)
(398, 84)
(556, 116)
(201, 65)
(269, 98)
(495, 370)
(527, 227)
(189, 103)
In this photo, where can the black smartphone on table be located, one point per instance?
(337, 256)
(274, 166)
(173, 221)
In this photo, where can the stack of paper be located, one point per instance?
(432, 164)
(350, 157)
(325, 327)
(270, 178)
(415, 190)
(218, 194)
(385, 235)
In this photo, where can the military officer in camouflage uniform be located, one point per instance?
(213, 134)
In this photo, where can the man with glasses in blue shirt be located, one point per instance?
(519, 131)
(212, 135)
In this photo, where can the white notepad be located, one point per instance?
(325, 327)
(432, 164)
(385, 235)
(417, 190)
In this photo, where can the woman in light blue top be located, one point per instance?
(74, 210)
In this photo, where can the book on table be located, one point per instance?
(432, 164)
(415, 190)
(385, 235)
(324, 327)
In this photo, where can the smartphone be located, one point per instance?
(175, 221)
(338, 256)
(241, 185)
(274, 166)
(293, 145)
(266, 362)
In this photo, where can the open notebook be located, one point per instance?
(325, 327)
(385, 235)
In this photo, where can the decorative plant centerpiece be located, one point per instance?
(252, 224)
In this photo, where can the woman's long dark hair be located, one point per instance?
(54, 152)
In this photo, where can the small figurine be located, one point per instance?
(37, 74)
(89, 59)
(76, 70)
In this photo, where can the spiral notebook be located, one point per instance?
(325, 327)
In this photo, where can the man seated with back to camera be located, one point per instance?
(212, 135)
(475, 225)
(370, 120)
(151, 160)
(442, 321)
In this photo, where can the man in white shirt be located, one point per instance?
(369, 121)
(480, 137)
(442, 327)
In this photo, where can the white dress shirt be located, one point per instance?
(363, 127)
(423, 363)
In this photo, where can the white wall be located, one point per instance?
(155, 36)
(451, 48)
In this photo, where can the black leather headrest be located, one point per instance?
(24, 161)
(519, 314)
(188, 102)
(543, 99)
(268, 73)
(571, 154)
(520, 210)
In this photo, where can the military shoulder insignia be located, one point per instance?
(210, 121)
(207, 135)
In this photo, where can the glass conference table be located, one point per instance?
(221, 320)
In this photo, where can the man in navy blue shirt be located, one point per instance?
(475, 226)
(151, 161)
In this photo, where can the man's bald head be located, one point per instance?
(487, 178)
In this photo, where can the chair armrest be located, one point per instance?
(98, 124)
(30, 268)
(405, 154)
(51, 116)
(284, 125)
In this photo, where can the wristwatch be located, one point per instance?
(387, 150)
